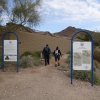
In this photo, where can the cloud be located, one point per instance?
(76, 10)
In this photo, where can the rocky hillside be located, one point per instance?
(32, 40)
(70, 30)
(67, 31)
(12, 27)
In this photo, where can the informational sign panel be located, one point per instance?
(82, 55)
(10, 50)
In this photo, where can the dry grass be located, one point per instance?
(35, 42)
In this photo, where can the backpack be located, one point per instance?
(56, 52)
(46, 51)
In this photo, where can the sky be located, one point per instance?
(57, 15)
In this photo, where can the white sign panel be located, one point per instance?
(81, 55)
(10, 50)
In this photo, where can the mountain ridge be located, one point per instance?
(67, 32)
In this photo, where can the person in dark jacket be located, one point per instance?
(57, 55)
(46, 54)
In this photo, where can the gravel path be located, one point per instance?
(44, 83)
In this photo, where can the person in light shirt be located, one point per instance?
(57, 55)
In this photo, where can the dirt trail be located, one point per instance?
(44, 83)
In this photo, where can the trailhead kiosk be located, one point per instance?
(10, 50)
(82, 55)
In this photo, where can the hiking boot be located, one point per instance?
(58, 64)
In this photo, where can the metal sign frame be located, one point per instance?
(3, 62)
(92, 50)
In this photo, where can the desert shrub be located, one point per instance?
(96, 43)
(97, 53)
(82, 75)
(0, 58)
(96, 79)
(68, 52)
(68, 59)
(26, 54)
(97, 64)
(26, 61)
(37, 54)
(86, 76)
(36, 61)
(29, 59)
(84, 37)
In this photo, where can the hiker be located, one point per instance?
(57, 55)
(46, 54)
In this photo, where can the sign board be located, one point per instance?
(10, 50)
(81, 55)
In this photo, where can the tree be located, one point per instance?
(3, 7)
(25, 12)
